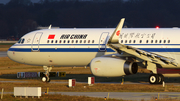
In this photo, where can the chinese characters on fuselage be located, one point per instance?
(136, 35)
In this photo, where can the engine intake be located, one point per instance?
(112, 67)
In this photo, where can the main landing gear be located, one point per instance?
(156, 79)
(46, 78)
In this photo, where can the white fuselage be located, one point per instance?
(77, 47)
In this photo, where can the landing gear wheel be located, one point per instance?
(154, 79)
(44, 79)
(161, 78)
(49, 80)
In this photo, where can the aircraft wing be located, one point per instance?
(113, 43)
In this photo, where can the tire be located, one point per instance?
(44, 79)
(154, 79)
(161, 78)
(49, 80)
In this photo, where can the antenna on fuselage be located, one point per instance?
(49, 26)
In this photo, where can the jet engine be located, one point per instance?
(112, 67)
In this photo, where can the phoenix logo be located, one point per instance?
(118, 32)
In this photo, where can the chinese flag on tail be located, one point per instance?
(51, 36)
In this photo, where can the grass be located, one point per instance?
(55, 97)
(5, 46)
(59, 97)
(98, 87)
(1, 44)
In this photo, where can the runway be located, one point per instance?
(137, 96)
(133, 96)
(3, 54)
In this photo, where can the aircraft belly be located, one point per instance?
(171, 75)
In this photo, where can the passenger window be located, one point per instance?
(52, 41)
(151, 41)
(140, 41)
(84, 41)
(159, 41)
(125, 41)
(72, 41)
(56, 41)
(129, 41)
(68, 41)
(146, 41)
(92, 41)
(121, 41)
(64, 41)
(47, 41)
(164, 41)
(168, 41)
(156, 41)
(59, 41)
(80, 41)
(134, 41)
(76, 41)
(88, 41)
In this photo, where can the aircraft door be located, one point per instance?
(35, 42)
(103, 41)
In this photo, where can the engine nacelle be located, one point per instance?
(112, 67)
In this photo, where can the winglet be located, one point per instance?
(115, 36)
(49, 26)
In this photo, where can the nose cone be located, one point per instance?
(15, 55)
(10, 54)
(7, 53)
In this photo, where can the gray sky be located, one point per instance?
(6, 1)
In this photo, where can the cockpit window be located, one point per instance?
(19, 41)
(22, 41)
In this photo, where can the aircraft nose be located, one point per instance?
(14, 55)
(9, 54)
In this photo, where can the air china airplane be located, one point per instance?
(109, 52)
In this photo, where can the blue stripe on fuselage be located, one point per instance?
(95, 44)
(89, 49)
(59, 49)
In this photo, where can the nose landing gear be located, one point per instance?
(46, 78)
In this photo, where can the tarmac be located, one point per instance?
(3, 54)
(133, 96)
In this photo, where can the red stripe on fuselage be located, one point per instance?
(167, 71)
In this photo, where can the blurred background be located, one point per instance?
(18, 17)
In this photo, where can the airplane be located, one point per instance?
(110, 52)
